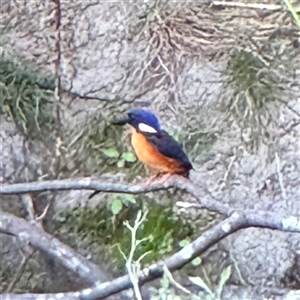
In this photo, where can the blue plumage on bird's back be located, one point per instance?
(155, 147)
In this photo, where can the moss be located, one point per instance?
(28, 99)
(252, 85)
(249, 75)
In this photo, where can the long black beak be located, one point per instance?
(121, 122)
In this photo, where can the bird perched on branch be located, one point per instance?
(153, 146)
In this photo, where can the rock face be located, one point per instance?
(224, 79)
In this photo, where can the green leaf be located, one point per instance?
(198, 281)
(128, 198)
(111, 152)
(129, 156)
(184, 243)
(116, 206)
(223, 279)
(196, 261)
(121, 163)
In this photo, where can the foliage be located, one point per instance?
(28, 99)
(206, 293)
(216, 294)
(126, 157)
(111, 153)
(162, 228)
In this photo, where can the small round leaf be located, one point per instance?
(129, 156)
(121, 163)
(111, 153)
(196, 261)
(184, 243)
(116, 206)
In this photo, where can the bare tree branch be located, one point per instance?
(248, 5)
(39, 239)
(235, 222)
(229, 291)
(103, 185)
(87, 183)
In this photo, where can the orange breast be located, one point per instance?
(149, 155)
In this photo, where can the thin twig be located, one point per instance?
(174, 282)
(248, 5)
(229, 168)
(130, 264)
(46, 210)
(280, 177)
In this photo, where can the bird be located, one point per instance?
(154, 147)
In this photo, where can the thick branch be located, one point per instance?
(232, 224)
(229, 292)
(39, 239)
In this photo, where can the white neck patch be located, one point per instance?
(146, 128)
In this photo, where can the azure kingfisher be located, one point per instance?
(153, 146)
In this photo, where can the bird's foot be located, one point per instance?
(160, 179)
(150, 180)
(164, 178)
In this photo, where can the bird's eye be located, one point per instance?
(130, 115)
